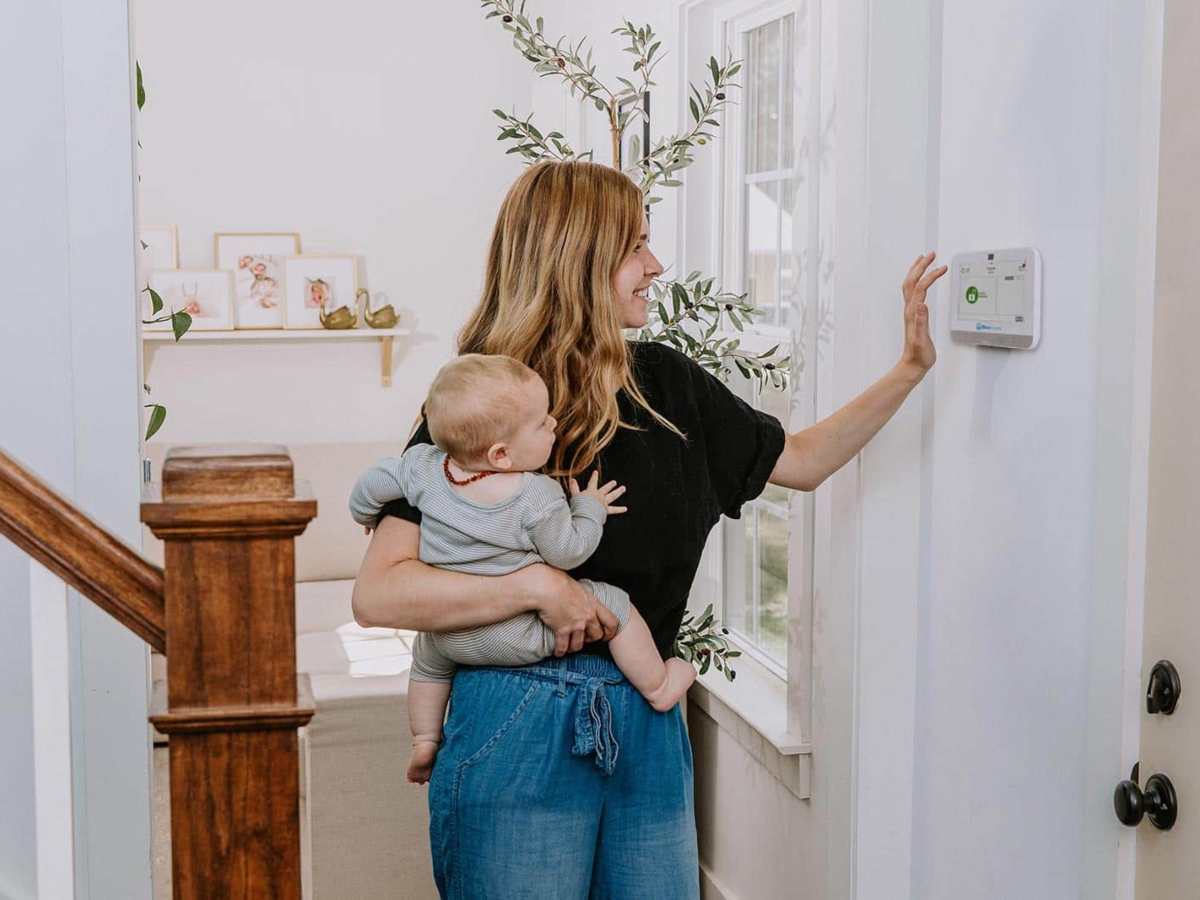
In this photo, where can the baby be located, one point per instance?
(486, 511)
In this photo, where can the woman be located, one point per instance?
(558, 779)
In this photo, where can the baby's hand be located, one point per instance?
(606, 495)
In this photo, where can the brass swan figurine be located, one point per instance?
(384, 317)
(341, 318)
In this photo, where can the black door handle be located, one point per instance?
(1157, 802)
(1163, 691)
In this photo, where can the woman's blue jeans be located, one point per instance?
(558, 780)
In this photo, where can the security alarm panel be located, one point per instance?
(997, 298)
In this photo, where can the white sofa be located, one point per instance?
(365, 828)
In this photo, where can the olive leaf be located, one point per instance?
(702, 641)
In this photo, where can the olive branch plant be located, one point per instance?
(692, 315)
(180, 321)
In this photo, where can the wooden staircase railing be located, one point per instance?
(81, 553)
(223, 610)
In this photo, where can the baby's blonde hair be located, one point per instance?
(473, 403)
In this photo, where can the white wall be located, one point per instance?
(1006, 609)
(953, 648)
(368, 129)
(70, 412)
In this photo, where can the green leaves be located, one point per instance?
(696, 320)
(156, 303)
(560, 60)
(530, 142)
(702, 642)
(141, 90)
(158, 415)
(180, 321)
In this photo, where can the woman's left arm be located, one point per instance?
(812, 455)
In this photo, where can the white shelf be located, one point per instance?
(385, 336)
(282, 334)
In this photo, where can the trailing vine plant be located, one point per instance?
(180, 321)
(691, 315)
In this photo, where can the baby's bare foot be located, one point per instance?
(679, 678)
(420, 767)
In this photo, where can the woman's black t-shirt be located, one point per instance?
(676, 489)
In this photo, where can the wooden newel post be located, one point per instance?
(228, 518)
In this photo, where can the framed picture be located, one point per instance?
(313, 282)
(635, 139)
(254, 260)
(161, 250)
(205, 294)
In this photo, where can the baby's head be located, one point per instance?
(491, 412)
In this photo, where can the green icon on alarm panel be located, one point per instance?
(972, 294)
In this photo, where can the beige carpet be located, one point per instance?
(162, 825)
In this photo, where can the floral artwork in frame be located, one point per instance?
(311, 283)
(204, 294)
(254, 259)
(159, 247)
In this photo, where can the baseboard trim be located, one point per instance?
(712, 888)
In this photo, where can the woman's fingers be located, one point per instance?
(921, 288)
(575, 616)
(918, 344)
(915, 271)
(930, 277)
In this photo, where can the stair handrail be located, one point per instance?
(73, 546)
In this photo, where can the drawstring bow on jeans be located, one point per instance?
(594, 726)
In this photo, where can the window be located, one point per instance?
(760, 198)
(760, 215)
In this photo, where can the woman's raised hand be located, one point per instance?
(567, 608)
(918, 345)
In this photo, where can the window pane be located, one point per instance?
(741, 554)
(772, 566)
(775, 401)
(776, 496)
(745, 621)
(788, 83)
(763, 56)
(762, 247)
(788, 263)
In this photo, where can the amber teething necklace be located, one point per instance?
(471, 480)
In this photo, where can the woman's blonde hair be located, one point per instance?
(563, 230)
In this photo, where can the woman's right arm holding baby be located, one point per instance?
(395, 589)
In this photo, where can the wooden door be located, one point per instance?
(1168, 862)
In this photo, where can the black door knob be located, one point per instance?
(1157, 802)
(1163, 691)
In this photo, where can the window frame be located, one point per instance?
(777, 704)
(734, 23)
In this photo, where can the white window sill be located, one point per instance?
(753, 711)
